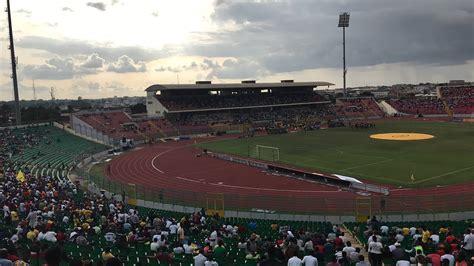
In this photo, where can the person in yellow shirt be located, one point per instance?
(425, 235)
(14, 216)
(406, 231)
(31, 235)
(443, 230)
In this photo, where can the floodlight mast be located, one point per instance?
(343, 23)
(13, 59)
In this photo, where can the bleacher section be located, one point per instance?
(460, 100)
(425, 106)
(359, 108)
(232, 101)
(55, 151)
(450, 101)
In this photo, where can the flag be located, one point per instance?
(412, 178)
(20, 176)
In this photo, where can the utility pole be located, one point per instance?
(14, 61)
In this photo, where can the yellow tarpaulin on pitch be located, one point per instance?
(20, 176)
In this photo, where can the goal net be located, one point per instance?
(267, 153)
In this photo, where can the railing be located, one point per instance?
(324, 203)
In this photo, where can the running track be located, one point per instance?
(173, 170)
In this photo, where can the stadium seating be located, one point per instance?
(91, 217)
(239, 100)
(459, 99)
(360, 108)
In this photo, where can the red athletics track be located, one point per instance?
(173, 170)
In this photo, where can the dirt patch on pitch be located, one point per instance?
(402, 136)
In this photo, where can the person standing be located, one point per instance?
(375, 252)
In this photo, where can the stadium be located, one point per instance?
(280, 155)
(241, 172)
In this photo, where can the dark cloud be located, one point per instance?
(75, 48)
(97, 5)
(298, 35)
(67, 9)
(125, 64)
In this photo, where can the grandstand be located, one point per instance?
(450, 100)
(51, 152)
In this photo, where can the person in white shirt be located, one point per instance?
(295, 261)
(375, 252)
(412, 230)
(399, 237)
(448, 257)
(435, 238)
(110, 237)
(40, 236)
(173, 228)
(200, 259)
(362, 261)
(384, 229)
(154, 245)
(469, 243)
(403, 263)
(50, 236)
(210, 263)
(348, 248)
(310, 260)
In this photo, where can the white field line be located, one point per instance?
(364, 165)
(445, 174)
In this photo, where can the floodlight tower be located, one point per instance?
(343, 23)
(14, 61)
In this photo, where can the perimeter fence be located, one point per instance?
(435, 201)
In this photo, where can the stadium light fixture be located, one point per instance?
(344, 23)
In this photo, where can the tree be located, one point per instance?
(138, 108)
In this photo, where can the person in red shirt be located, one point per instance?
(435, 259)
(450, 238)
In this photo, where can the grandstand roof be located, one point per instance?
(226, 86)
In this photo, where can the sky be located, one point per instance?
(97, 49)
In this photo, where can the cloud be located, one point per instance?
(283, 36)
(97, 5)
(67, 47)
(125, 64)
(236, 69)
(61, 68)
(93, 61)
(114, 2)
(67, 9)
(55, 69)
(177, 69)
(24, 11)
(155, 14)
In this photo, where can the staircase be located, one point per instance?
(447, 109)
(155, 126)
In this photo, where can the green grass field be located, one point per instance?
(446, 159)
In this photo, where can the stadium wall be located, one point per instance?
(335, 219)
(84, 130)
(153, 107)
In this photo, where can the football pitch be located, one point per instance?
(447, 158)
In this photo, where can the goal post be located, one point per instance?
(267, 153)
